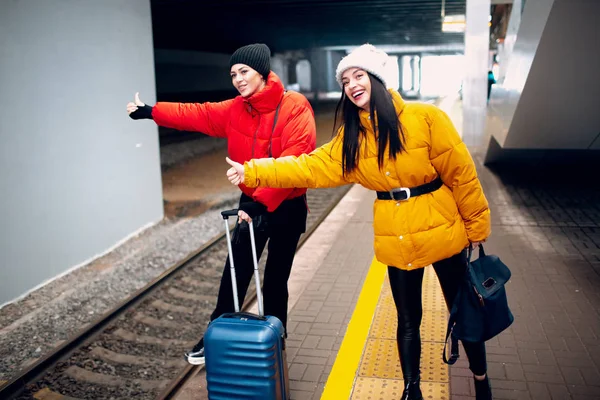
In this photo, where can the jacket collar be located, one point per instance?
(398, 105)
(269, 97)
(398, 101)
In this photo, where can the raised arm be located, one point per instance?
(319, 169)
(208, 118)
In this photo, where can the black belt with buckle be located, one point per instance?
(407, 193)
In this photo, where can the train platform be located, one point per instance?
(342, 322)
(546, 228)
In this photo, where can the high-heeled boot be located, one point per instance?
(412, 391)
(483, 389)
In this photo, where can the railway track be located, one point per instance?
(135, 350)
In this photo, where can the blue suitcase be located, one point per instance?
(245, 353)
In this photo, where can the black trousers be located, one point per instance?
(282, 234)
(406, 289)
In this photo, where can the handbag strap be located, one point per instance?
(470, 252)
(275, 123)
(454, 349)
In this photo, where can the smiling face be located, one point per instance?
(246, 80)
(357, 86)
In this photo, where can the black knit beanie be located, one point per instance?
(257, 56)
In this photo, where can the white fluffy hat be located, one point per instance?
(365, 57)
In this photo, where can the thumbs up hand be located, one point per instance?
(137, 109)
(235, 174)
(137, 100)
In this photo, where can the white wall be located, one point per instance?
(77, 175)
(551, 96)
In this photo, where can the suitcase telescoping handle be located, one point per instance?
(234, 213)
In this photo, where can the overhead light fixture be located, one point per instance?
(454, 23)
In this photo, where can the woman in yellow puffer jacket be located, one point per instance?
(430, 205)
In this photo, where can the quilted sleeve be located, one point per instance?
(208, 118)
(319, 169)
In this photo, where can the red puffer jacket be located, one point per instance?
(248, 126)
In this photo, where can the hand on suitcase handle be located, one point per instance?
(226, 214)
(236, 213)
(243, 216)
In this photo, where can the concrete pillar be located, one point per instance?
(336, 57)
(400, 76)
(393, 73)
(419, 71)
(505, 50)
(303, 72)
(329, 71)
(410, 75)
(318, 71)
(292, 72)
(477, 35)
(413, 71)
(279, 65)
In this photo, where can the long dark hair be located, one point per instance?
(387, 130)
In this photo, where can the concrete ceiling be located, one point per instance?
(225, 25)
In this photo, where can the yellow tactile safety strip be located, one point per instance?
(343, 373)
(381, 360)
(391, 389)
(378, 375)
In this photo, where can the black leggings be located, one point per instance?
(406, 289)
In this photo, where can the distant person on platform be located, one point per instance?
(263, 121)
(491, 81)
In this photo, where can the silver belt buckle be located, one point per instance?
(402, 189)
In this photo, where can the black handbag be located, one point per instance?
(480, 310)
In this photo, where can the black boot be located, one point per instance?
(412, 391)
(483, 389)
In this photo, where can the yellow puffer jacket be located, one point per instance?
(408, 234)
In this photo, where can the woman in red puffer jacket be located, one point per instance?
(263, 121)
